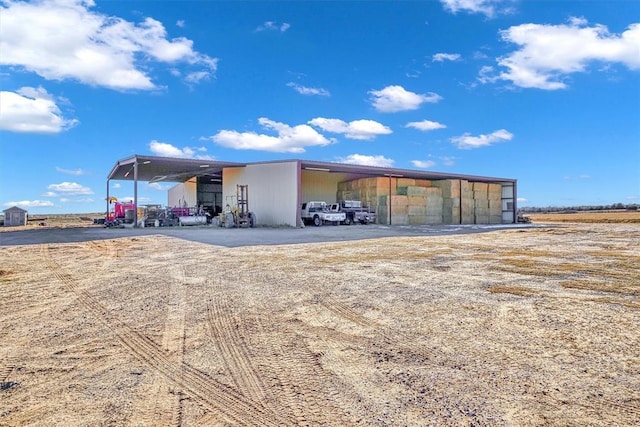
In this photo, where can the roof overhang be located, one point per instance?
(167, 169)
(371, 171)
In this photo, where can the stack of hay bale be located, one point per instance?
(416, 201)
(495, 204)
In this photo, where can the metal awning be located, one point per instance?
(167, 169)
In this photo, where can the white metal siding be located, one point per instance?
(183, 193)
(273, 191)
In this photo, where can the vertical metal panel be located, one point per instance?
(509, 202)
(321, 186)
(183, 193)
(273, 189)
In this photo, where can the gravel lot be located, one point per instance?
(242, 236)
(518, 326)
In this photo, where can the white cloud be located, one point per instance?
(76, 172)
(70, 189)
(357, 129)
(32, 110)
(361, 159)
(303, 90)
(423, 164)
(141, 199)
(549, 53)
(180, 23)
(441, 57)
(30, 203)
(197, 76)
(488, 8)
(583, 176)
(425, 125)
(49, 194)
(288, 139)
(167, 150)
(158, 186)
(273, 26)
(467, 141)
(448, 161)
(67, 200)
(395, 98)
(65, 39)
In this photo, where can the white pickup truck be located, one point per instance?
(318, 213)
(355, 212)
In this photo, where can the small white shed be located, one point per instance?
(15, 216)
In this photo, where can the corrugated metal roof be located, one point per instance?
(169, 169)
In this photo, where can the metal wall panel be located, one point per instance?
(321, 186)
(183, 193)
(273, 191)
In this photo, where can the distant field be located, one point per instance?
(588, 217)
(56, 220)
(86, 219)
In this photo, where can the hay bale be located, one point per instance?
(481, 187)
(495, 207)
(434, 202)
(433, 192)
(417, 219)
(423, 183)
(495, 219)
(434, 211)
(405, 182)
(417, 210)
(417, 200)
(399, 219)
(450, 187)
(416, 191)
(482, 219)
(448, 203)
(402, 191)
(434, 219)
(399, 200)
(495, 191)
(399, 209)
(482, 212)
(481, 203)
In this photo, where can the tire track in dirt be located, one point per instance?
(391, 338)
(164, 408)
(303, 387)
(629, 407)
(234, 353)
(7, 366)
(214, 396)
(346, 312)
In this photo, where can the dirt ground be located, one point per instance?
(524, 327)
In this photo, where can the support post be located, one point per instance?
(135, 193)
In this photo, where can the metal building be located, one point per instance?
(278, 189)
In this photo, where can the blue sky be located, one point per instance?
(547, 92)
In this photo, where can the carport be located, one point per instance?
(164, 169)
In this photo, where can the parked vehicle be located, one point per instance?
(318, 213)
(354, 212)
(122, 213)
